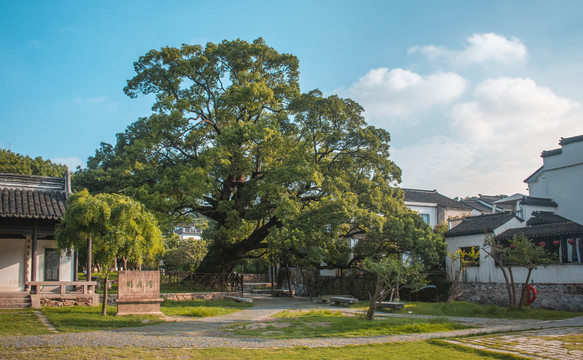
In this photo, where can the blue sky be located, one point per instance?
(471, 91)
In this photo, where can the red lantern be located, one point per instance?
(512, 246)
(571, 241)
(556, 242)
(542, 243)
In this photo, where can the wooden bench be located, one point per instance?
(390, 305)
(342, 300)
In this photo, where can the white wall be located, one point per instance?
(12, 257)
(432, 211)
(561, 181)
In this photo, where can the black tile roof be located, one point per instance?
(32, 197)
(570, 140)
(474, 203)
(433, 197)
(545, 217)
(547, 153)
(480, 224)
(560, 229)
(537, 201)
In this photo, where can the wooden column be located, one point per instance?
(34, 264)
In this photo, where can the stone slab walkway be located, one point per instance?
(206, 332)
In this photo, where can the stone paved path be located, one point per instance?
(206, 332)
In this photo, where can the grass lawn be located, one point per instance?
(201, 308)
(468, 309)
(83, 318)
(326, 323)
(20, 322)
(420, 350)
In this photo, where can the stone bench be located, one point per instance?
(326, 298)
(238, 299)
(342, 300)
(282, 292)
(390, 305)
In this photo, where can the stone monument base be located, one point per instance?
(139, 307)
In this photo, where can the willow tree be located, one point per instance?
(117, 226)
(232, 138)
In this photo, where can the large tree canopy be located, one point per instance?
(232, 138)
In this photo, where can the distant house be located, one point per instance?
(434, 207)
(188, 232)
(30, 207)
(485, 204)
(551, 217)
(559, 178)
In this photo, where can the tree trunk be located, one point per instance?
(513, 288)
(525, 293)
(291, 294)
(308, 288)
(373, 299)
(105, 293)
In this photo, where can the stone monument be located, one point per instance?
(138, 293)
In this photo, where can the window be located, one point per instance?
(425, 218)
(470, 255)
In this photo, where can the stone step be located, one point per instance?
(16, 300)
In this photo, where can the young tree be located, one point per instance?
(185, 254)
(391, 272)
(117, 227)
(463, 260)
(519, 252)
(232, 138)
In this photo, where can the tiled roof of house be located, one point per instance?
(433, 197)
(480, 224)
(544, 217)
(567, 228)
(474, 203)
(537, 201)
(570, 140)
(33, 197)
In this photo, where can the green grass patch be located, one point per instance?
(82, 318)
(201, 308)
(419, 350)
(324, 323)
(468, 309)
(20, 322)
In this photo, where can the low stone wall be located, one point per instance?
(111, 298)
(66, 302)
(549, 296)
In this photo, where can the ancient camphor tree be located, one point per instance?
(116, 225)
(234, 139)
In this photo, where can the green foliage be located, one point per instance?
(233, 139)
(462, 259)
(391, 272)
(117, 226)
(519, 251)
(14, 163)
(185, 254)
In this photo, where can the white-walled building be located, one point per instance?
(433, 207)
(560, 178)
(30, 207)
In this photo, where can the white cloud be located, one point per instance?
(494, 141)
(480, 48)
(71, 162)
(90, 100)
(398, 92)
